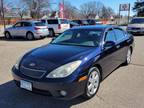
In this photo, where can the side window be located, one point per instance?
(18, 24)
(27, 24)
(110, 36)
(52, 21)
(120, 34)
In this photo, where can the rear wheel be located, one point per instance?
(93, 83)
(51, 33)
(128, 58)
(7, 35)
(30, 36)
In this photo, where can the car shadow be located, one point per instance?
(14, 97)
(18, 39)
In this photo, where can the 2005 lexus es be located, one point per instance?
(75, 62)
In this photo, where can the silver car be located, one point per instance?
(28, 29)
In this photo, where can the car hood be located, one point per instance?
(51, 56)
(136, 25)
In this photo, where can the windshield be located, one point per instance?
(137, 21)
(80, 37)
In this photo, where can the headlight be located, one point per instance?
(65, 70)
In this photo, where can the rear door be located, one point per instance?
(53, 23)
(122, 46)
(26, 26)
(64, 24)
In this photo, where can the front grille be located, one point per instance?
(34, 73)
(135, 28)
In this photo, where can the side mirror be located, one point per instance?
(109, 44)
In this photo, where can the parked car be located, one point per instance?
(28, 29)
(56, 26)
(74, 63)
(91, 21)
(136, 26)
(73, 24)
(81, 22)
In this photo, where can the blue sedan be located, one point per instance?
(75, 62)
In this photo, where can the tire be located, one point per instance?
(128, 57)
(30, 36)
(8, 35)
(93, 83)
(51, 33)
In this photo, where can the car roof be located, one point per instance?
(30, 21)
(103, 27)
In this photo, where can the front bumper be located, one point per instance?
(73, 89)
(135, 31)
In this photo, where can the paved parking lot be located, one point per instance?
(124, 88)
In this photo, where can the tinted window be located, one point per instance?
(80, 37)
(19, 24)
(52, 21)
(84, 22)
(137, 20)
(64, 21)
(44, 21)
(120, 34)
(27, 24)
(77, 21)
(110, 36)
(39, 24)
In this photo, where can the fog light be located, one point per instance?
(63, 93)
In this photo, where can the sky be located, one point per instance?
(114, 4)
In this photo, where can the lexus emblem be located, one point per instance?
(32, 64)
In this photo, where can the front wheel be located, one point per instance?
(7, 35)
(93, 83)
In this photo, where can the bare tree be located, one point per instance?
(36, 7)
(91, 9)
(71, 12)
(106, 12)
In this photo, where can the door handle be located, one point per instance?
(118, 46)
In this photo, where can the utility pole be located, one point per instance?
(3, 14)
(63, 8)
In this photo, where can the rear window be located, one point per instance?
(40, 24)
(52, 21)
(137, 21)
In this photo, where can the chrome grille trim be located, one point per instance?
(34, 69)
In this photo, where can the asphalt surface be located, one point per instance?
(124, 88)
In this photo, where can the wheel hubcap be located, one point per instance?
(7, 35)
(93, 83)
(30, 36)
(129, 56)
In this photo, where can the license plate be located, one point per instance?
(26, 85)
